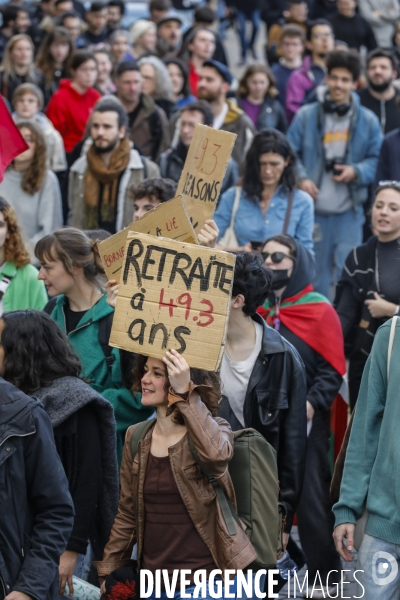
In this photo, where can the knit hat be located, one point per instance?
(140, 27)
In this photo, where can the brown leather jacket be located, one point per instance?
(213, 439)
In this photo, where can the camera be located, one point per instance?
(330, 165)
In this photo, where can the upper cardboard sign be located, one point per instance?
(204, 171)
(173, 295)
(169, 220)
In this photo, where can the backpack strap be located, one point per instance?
(50, 306)
(391, 340)
(288, 212)
(139, 434)
(105, 325)
(145, 170)
(229, 513)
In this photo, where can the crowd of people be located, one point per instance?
(309, 205)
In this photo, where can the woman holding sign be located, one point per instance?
(268, 202)
(72, 272)
(163, 491)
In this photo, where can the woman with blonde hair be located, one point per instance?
(257, 97)
(143, 37)
(19, 285)
(17, 66)
(32, 189)
(54, 58)
(157, 83)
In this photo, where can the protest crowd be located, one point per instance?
(122, 428)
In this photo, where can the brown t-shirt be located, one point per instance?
(170, 539)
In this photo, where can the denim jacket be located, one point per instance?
(251, 226)
(365, 138)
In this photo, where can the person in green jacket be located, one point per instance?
(19, 285)
(72, 271)
(371, 476)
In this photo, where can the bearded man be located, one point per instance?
(381, 96)
(100, 181)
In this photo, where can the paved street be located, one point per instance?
(349, 589)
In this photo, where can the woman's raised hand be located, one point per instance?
(112, 287)
(208, 234)
(178, 371)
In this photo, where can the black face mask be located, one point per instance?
(280, 279)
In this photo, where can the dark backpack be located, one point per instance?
(105, 325)
(254, 473)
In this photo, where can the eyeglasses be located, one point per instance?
(276, 257)
(390, 184)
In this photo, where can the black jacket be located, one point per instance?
(271, 115)
(323, 381)
(355, 31)
(388, 162)
(386, 111)
(171, 164)
(275, 405)
(37, 513)
(85, 436)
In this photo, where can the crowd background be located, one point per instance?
(107, 96)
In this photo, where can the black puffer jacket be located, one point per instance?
(37, 512)
(275, 405)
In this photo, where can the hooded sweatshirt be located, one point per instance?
(69, 111)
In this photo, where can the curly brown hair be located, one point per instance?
(209, 395)
(14, 247)
(33, 177)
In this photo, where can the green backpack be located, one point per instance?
(254, 475)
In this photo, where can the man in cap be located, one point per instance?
(169, 33)
(214, 83)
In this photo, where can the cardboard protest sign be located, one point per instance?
(173, 295)
(169, 220)
(203, 173)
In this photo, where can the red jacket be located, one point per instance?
(69, 111)
(194, 78)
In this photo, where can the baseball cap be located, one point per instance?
(222, 69)
(170, 17)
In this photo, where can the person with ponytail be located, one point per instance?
(72, 272)
(19, 286)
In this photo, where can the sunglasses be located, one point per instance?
(389, 184)
(276, 257)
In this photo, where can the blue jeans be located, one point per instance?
(83, 564)
(379, 561)
(255, 17)
(232, 590)
(335, 237)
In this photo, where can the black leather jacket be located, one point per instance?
(275, 405)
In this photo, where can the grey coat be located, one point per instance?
(135, 173)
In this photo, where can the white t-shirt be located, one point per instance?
(235, 376)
